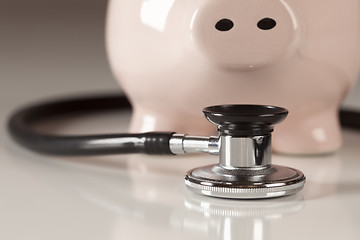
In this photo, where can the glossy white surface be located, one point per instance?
(141, 197)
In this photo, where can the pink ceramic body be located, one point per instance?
(172, 62)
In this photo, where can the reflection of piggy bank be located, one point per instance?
(174, 57)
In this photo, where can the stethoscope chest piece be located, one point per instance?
(244, 170)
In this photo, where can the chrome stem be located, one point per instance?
(183, 143)
(246, 152)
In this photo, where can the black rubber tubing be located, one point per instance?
(20, 128)
(22, 131)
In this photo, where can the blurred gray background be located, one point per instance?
(50, 48)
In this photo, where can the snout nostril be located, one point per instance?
(266, 24)
(224, 25)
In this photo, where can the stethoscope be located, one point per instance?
(244, 170)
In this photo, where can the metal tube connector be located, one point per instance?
(182, 144)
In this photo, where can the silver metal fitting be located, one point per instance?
(248, 152)
(183, 143)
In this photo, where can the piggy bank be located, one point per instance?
(172, 58)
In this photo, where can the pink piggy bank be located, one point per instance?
(175, 57)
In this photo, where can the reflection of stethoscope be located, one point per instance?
(208, 218)
(243, 144)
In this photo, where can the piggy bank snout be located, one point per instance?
(242, 36)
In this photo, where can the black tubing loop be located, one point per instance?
(350, 118)
(20, 126)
